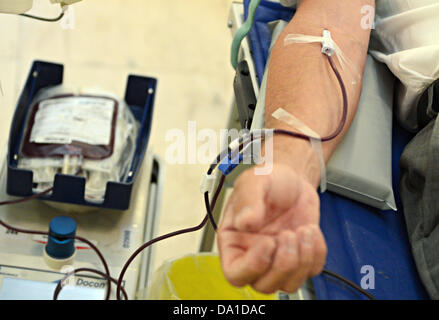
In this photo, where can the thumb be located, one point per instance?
(249, 201)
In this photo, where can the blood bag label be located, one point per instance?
(82, 119)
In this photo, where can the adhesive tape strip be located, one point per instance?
(284, 116)
(328, 41)
(317, 146)
(315, 140)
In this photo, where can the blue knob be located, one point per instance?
(61, 244)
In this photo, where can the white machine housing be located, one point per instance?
(21, 6)
(24, 273)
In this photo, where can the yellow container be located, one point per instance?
(198, 277)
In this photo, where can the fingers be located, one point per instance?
(286, 263)
(312, 258)
(299, 255)
(320, 251)
(245, 257)
(249, 218)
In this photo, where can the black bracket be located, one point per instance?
(244, 94)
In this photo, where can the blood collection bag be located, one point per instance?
(89, 133)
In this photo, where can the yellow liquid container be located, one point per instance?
(198, 277)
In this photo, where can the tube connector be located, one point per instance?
(328, 47)
(229, 164)
(207, 183)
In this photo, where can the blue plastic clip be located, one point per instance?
(228, 164)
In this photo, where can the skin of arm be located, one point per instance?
(301, 81)
(269, 235)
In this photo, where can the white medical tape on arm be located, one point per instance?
(329, 47)
(315, 140)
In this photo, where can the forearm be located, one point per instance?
(300, 79)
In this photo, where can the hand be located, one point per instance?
(269, 236)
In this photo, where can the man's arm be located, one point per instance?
(269, 235)
(301, 81)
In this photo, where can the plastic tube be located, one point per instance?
(243, 32)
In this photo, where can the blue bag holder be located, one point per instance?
(139, 95)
